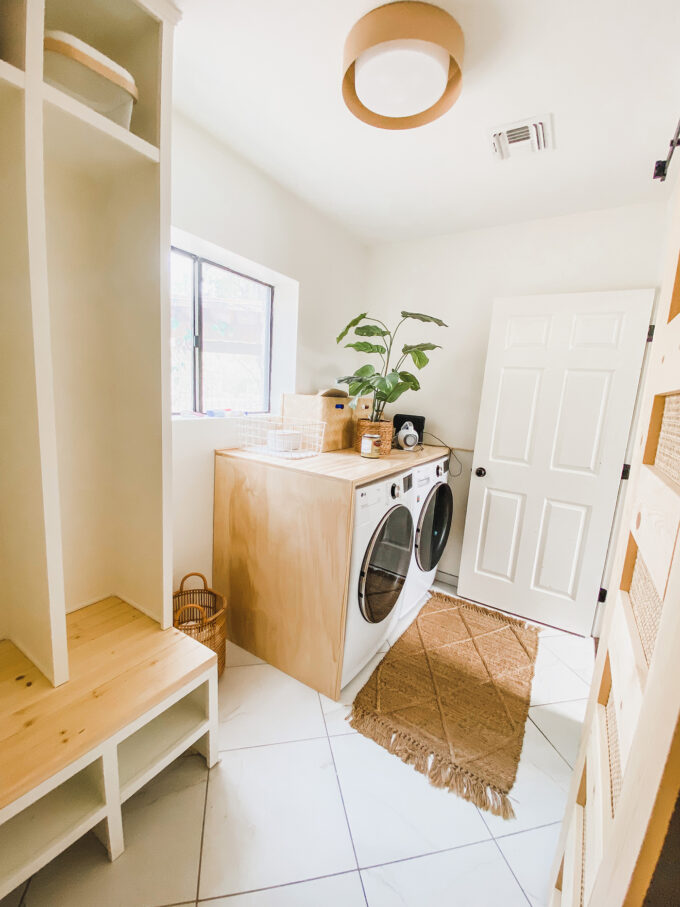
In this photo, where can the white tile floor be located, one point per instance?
(302, 812)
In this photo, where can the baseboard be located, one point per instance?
(450, 579)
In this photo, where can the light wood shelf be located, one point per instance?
(158, 743)
(36, 835)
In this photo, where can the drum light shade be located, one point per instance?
(403, 65)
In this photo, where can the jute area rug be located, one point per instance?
(451, 698)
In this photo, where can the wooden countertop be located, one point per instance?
(345, 465)
(121, 665)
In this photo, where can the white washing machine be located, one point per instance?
(382, 554)
(432, 507)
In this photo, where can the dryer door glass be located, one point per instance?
(433, 526)
(385, 565)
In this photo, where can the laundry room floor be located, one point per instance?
(302, 811)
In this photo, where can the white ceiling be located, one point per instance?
(264, 76)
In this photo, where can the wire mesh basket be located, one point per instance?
(291, 439)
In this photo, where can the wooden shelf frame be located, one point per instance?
(100, 488)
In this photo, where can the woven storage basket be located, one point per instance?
(383, 428)
(200, 613)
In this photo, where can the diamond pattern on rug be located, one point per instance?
(451, 698)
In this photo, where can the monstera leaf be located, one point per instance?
(363, 346)
(371, 330)
(349, 327)
(417, 352)
(410, 379)
(420, 317)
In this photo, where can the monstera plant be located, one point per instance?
(388, 381)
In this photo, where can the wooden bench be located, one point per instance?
(137, 698)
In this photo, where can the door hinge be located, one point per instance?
(650, 333)
(602, 597)
(197, 341)
(625, 472)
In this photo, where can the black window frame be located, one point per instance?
(197, 309)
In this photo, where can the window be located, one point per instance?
(221, 337)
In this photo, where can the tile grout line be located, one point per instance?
(566, 664)
(498, 848)
(257, 746)
(525, 831)
(342, 800)
(543, 734)
(200, 853)
(512, 873)
(238, 894)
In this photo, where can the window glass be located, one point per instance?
(182, 331)
(235, 348)
(229, 314)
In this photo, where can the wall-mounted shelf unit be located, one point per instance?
(84, 362)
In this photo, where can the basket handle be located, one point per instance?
(176, 617)
(185, 578)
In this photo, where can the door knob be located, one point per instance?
(480, 471)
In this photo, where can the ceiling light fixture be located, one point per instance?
(403, 65)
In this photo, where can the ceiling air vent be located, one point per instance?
(523, 137)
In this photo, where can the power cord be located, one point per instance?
(452, 452)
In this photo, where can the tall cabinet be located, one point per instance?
(84, 347)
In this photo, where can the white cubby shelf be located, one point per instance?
(75, 132)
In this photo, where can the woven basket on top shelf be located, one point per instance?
(200, 613)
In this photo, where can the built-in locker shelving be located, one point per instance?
(129, 34)
(45, 828)
(145, 752)
(12, 35)
(31, 600)
(84, 405)
(90, 141)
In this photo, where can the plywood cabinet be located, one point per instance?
(84, 359)
(282, 548)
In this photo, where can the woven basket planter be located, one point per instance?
(383, 428)
(200, 613)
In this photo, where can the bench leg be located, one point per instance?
(110, 830)
(208, 745)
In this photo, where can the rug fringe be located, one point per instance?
(441, 772)
(501, 616)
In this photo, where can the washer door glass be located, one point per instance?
(385, 565)
(433, 526)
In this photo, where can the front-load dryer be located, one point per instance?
(382, 554)
(432, 505)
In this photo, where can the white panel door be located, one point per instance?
(559, 391)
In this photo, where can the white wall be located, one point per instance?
(223, 199)
(457, 277)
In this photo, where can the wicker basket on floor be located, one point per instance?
(200, 613)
